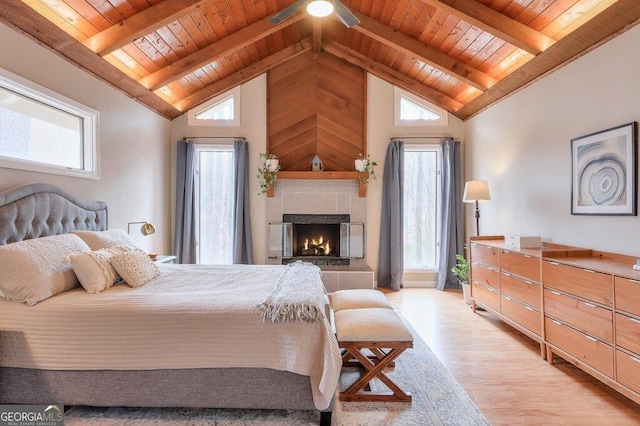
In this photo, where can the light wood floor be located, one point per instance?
(501, 369)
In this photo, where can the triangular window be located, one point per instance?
(411, 110)
(223, 110)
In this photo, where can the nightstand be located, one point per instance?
(164, 259)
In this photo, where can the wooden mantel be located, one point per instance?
(361, 177)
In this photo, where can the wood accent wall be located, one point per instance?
(316, 105)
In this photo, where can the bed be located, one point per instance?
(193, 336)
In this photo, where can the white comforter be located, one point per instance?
(189, 317)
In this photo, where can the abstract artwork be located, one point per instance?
(604, 172)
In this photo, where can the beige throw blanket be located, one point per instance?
(297, 296)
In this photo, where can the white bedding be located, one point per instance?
(181, 319)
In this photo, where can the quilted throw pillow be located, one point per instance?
(97, 240)
(135, 267)
(94, 270)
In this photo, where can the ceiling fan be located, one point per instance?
(317, 8)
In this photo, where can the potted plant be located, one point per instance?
(461, 270)
(365, 165)
(268, 171)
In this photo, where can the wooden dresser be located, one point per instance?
(579, 304)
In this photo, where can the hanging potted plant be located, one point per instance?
(461, 270)
(268, 171)
(365, 165)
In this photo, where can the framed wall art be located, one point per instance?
(604, 172)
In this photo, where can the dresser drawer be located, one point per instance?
(524, 315)
(588, 317)
(627, 295)
(584, 348)
(520, 264)
(486, 275)
(486, 295)
(628, 333)
(524, 290)
(628, 370)
(484, 254)
(584, 283)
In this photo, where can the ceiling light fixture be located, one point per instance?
(320, 8)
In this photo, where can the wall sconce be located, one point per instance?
(146, 228)
(320, 8)
(474, 191)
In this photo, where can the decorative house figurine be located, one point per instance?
(316, 164)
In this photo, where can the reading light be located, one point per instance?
(146, 228)
(474, 191)
(320, 8)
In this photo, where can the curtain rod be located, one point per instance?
(213, 137)
(422, 137)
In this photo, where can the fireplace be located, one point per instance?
(322, 239)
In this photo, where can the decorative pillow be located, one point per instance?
(97, 240)
(94, 270)
(135, 267)
(34, 270)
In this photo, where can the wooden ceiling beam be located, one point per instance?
(493, 22)
(611, 22)
(140, 24)
(244, 75)
(416, 49)
(213, 52)
(390, 75)
(317, 35)
(17, 15)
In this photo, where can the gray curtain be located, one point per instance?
(184, 246)
(390, 262)
(452, 233)
(242, 246)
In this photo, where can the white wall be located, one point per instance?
(253, 127)
(134, 141)
(522, 147)
(380, 129)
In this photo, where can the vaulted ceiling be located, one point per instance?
(462, 55)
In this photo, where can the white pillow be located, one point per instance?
(97, 240)
(34, 270)
(135, 267)
(94, 270)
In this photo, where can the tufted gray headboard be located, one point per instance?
(39, 210)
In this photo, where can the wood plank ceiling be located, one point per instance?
(463, 55)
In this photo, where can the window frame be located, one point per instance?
(399, 93)
(235, 122)
(90, 126)
(199, 148)
(424, 147)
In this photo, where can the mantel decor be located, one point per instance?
(268, 172)
(604, 172)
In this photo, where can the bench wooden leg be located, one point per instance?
(373, 367)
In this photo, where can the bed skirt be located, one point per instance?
(256, 388)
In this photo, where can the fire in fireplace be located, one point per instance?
(316, 239)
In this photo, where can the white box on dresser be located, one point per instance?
(522, 241)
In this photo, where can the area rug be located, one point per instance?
(437, 400)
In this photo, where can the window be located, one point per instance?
(214, 204)
(421, 206)
(45, 132)
(411, 110)
(223, 110)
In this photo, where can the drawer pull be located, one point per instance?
(506, 274)
(506, 251)
(555, 263)
(506, 297)
(634, 358)
(634, 281)
(593, 339)
(555, 292)
(492, 290)
(527, 256)
(528, 308)
(591, 305)
(636, 320)
(589, 271)
(528, 282)
(556, 322)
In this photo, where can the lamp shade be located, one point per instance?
(476, 190)
(320, 8)
(146, 228)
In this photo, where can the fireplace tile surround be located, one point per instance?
(324, 197)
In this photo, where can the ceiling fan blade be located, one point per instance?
(344, 15)
(285, 13)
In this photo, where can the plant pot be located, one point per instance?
(359, 164)
(272, 164)
(466, 292)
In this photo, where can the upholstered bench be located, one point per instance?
(358, 299)
(381, 331)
